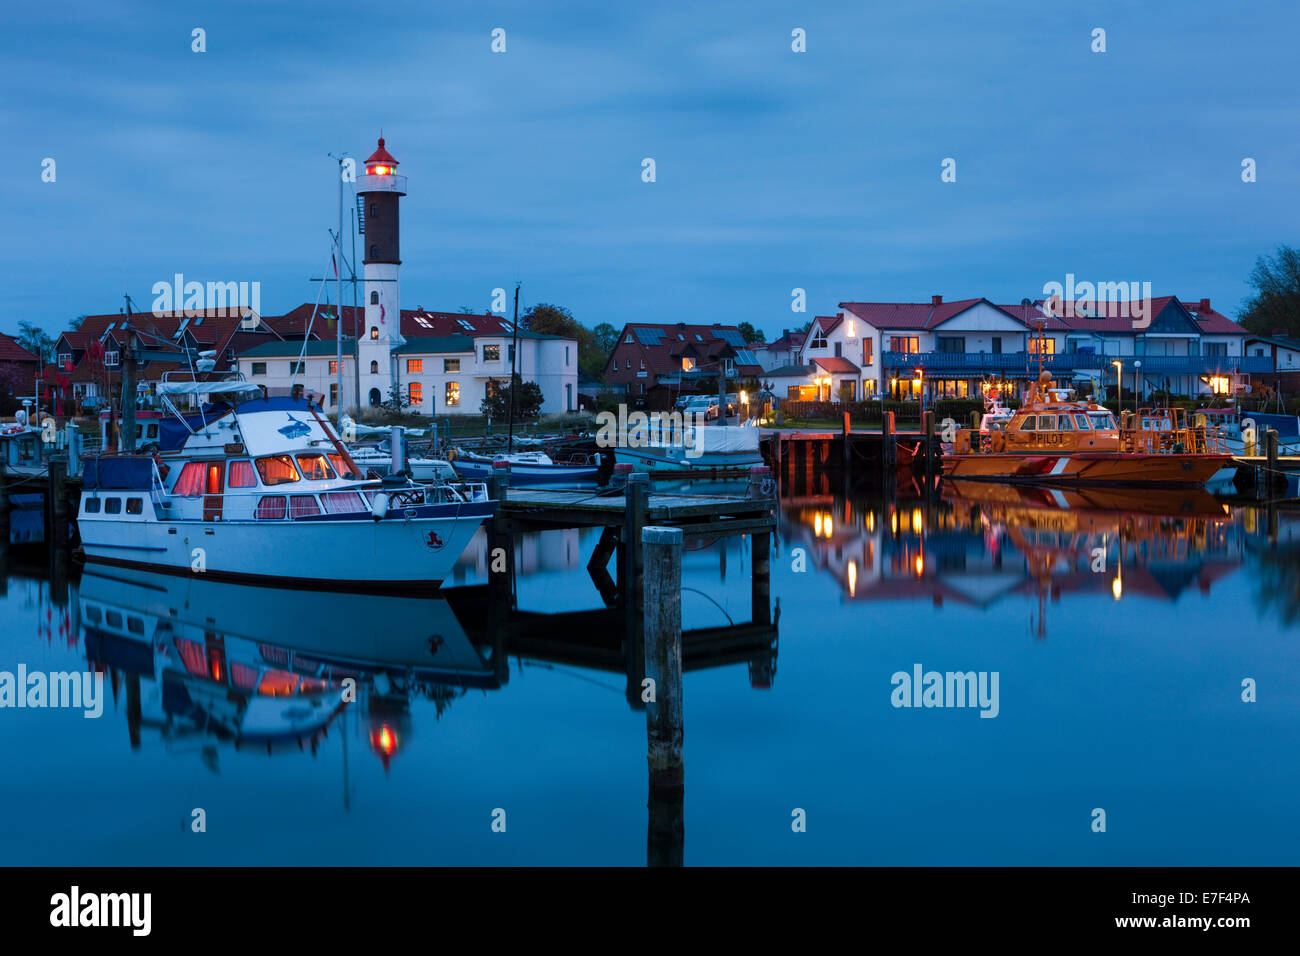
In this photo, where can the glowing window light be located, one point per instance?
(853, 578)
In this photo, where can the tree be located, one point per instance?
(1276, 303)
(593, 348)
(466, 310)
(75, 324)
(751, 334)
(527, 397)
(604, 337)
(35, 340)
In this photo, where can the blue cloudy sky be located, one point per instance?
(775, 169)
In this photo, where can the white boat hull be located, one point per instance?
(354, 553)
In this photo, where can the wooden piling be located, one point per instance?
(929, 446)
(56, 502)
(761, 579)
(1271, 444)
(844, 442)
(662, 558)
(888, 444)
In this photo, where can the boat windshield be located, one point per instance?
(1102, 422)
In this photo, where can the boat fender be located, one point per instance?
(380, 507)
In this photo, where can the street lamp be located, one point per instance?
(1137, 365)
(920, 387)
(1119, 385)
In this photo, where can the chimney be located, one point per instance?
(936, 300)
(1205, 306)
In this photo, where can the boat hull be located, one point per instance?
(522, 474)
(405, 552)
(1089, 468)
(676, 459)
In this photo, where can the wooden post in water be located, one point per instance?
(844, 443)
(662, 556)
(761, 579)
(636, 503)
(1271, 444)
(57, 501)
(929, 448)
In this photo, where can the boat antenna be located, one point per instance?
(306, 337)
(514, 357)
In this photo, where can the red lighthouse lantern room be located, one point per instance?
(381, 162)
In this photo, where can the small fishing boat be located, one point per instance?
(262, 490)
(1056, 439)
(532, 468)
(697, 448)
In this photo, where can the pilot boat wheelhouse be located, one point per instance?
(1053, 439)
(262, 490)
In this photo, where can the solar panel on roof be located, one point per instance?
(745, 357)
(732, 337)
(649, 336)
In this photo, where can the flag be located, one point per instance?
(382, 313)
(334, 265)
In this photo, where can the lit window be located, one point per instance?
(452, 395)
(189, 484)
(341, 502)
(491, 353)
(270, 507)
(414, 366)
(341, 466)
(416, 391)
(334, 367)
(134, 506)
(302, 505)
(315, 467)
(242, 475)
(277, 470)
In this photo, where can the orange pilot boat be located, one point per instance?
(1054, 439)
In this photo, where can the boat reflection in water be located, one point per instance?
(272, 668)
(980, 543)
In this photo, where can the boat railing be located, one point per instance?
(1165, 431)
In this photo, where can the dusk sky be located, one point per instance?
(774, 169)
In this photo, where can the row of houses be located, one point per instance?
(938, 349)
(446, 364)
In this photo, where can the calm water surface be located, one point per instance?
(1121, 627)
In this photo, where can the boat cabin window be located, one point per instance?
(134, 506)
(1081, 421)
(189, 483)
(1028, 424)
(92, 506)
(1102, 421)
(277, 470)
(113, 619)
(301, 505)
(112, 506)
(315, 467)
(270, 507)
(341, 467)
(1064, 423)
(242, 475)
(1047, 423)
(214, 478)
(243, 676)
(341, 502)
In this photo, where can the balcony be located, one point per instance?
(1025, 363)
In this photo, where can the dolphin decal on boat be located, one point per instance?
(295, 428)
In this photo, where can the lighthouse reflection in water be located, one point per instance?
(326, 728)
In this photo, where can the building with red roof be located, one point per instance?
(681, 358)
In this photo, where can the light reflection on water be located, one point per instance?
(1121, 623)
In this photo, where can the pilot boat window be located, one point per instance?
(315, 467)
(1081, 421)
(1064, 423)
(92, 506)
(1047, 423)
(112, 506)
(277, 470)
(301, 505)
(1028, 424)
(190, 482)
(1102, 421)
(341, 502)
(242, 475)
(270, 507)
(134, 506)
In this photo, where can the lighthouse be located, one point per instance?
(381, 190)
